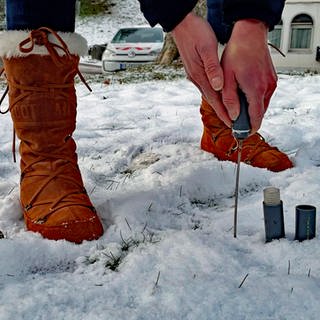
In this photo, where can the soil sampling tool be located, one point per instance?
(273, 214)
(240, 130)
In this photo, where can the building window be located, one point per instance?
(301, 32)
(274, 36)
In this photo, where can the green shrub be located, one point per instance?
(93, 7)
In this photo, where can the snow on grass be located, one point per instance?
(168, 250)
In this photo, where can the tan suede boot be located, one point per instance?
(217, 139)
(43, 109)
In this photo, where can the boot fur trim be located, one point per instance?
(10, 40)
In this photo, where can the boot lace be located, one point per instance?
(251, 149)
(257, 148)
(60, 202)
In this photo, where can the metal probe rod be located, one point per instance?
(240, 129)
(236, 192)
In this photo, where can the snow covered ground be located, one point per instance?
(168, 250)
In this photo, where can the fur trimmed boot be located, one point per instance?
(217, 139)
(40, 70)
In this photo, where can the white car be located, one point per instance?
(132, 46)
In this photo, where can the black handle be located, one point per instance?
(241, 126)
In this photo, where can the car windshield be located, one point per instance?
(138, 35)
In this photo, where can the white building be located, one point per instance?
(298, 37)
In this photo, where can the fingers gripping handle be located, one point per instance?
(241, 126)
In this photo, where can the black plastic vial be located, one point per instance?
(305, 222)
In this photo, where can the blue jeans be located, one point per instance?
(58, 15)
(215, 18)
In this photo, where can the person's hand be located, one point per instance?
(198, 48)
(246, 63)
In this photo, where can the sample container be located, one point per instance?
(305, 222)
(273, 214)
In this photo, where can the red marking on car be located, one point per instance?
(128, 48)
